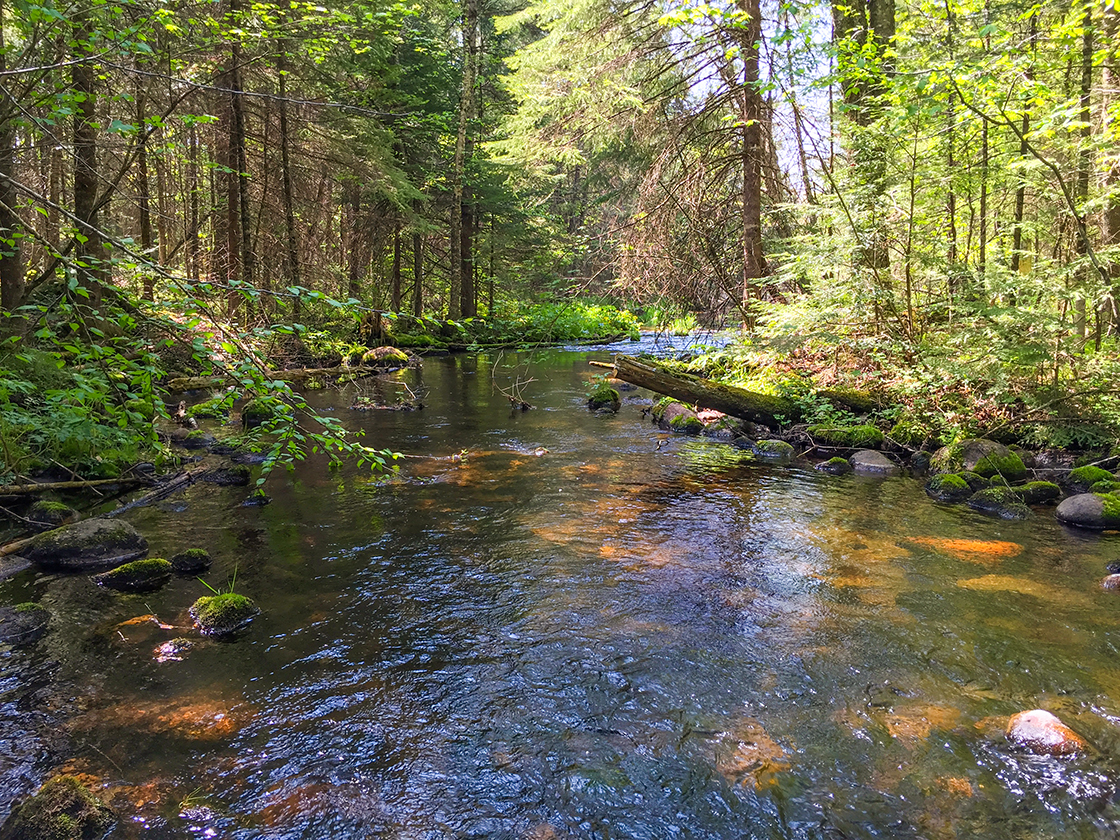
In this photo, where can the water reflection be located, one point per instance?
(555, 624)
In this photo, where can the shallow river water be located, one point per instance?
(555, 624)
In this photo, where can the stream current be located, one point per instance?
(555, 624)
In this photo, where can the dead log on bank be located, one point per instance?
(738, 402)
(296, 376)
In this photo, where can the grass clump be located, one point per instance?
(604, 396)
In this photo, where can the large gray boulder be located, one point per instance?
(83, 546)
(870, 462)
(1098, 511)
(979, 455)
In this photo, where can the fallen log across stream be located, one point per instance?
(296, 376)
(738, 402)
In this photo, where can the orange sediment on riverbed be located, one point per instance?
(974, 551)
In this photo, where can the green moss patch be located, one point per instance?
(137, 576)
(257, 412)
(687, 424)
(948, 488)
(854, 437)
(603, 396)
(1039, 492)
(221, 615)
(999, 501)
(975, 481)
(773, 449)
(1085, 477)
(215, 409)
(384, 357)
(192, 561)
(63, 809)
(834, 466)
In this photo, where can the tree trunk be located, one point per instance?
(395, 289)
(11, 233)
(751, 154)
(292, 237)
(90, 251)
(194, 267)
(1110, 219)
(143, 193)
(417, 269)
(1024, 151)
(466, 111)
(1084, 167)
(469, 307)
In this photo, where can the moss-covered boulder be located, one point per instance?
(773, 450)
(1039, 492)
(384, 357)
(677, 417)
(834, 466)
(215, 409)
(84, 546)
(1095, 511)
(975, 481)
(63, 809)
(193, 561)
(920, 461)
(221, 615)
(871, 462)
(978, 455)
(949, 487)
(137, 576)
(1081, 479)
(1105, 486)
(23, 623)
(999, 501)
(46, 514)
(604, 397)
(257, 412)
(851, 437)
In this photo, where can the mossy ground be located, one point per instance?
(862, 437)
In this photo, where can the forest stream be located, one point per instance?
(556, 624)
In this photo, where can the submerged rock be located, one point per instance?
(192, 561)
(1111, 582)
(93, 544)
(63, 809)
(1097, 511)
(23, 623)
(999, 501)
(948, 487)
(1042, 733)
(198, 439)
(982, 456)
(975, 481)
(773, 450)
(137, 576)
(870, 462)
(221, 615)
(834, 466)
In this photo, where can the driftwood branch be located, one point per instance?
(25, 489)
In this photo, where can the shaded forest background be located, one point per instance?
(926, 193)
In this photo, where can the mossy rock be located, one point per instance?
(236, 475)
(23, 623)
(257, 412)
(604, 397)
(49, 514)
(920, 461)
(192, 561)
(92, 544)
(1107, 486)
(998, 481)
(688, 424)
(1082, 478)
(999, 501)
(773, 450)
(384, 356)
(421, 340)
(948, 488)
(215, 409)
(985, 457)
(852, 437)
(63, 809)
(834, 466)
(858, 402)
(137, 576)
(1095, 511)
(872, 462)
(222, 615)
(661, 406)
(1039, 492)
(975, 481)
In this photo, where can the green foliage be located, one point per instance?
(602, 395)
(550, 323)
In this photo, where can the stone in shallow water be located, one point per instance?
(137, 576)
(193, 561)
(63, 809)
(1041, 732)
(870, 462)
(23, 623)
(1097, 511)
(93, 544)
(221, 615)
